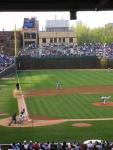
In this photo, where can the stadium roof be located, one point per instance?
(57, 23)
(55, 5)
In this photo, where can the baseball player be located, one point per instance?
(58, 85)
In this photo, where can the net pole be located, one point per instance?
(15, 48)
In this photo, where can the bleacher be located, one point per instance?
(55, 49)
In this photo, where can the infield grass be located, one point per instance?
(68, 106)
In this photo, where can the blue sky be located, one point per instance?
(90, 18)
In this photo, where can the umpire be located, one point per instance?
(13, 119)
(17, 86)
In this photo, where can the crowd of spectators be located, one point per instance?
(87, 145)
(58, 50)
(5, 61)
(52, 50)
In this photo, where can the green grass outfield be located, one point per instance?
(47, 78)
(61, 106)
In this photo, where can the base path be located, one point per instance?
(69, 90)
(21, 102)
(33, 123)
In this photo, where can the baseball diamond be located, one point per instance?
(58, 109)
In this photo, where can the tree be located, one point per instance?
(82, 34)
(104, 63)
(87, 35)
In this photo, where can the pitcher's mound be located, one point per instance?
(102, 104)
(82, 125)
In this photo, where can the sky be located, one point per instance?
(90, 18)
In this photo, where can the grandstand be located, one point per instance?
(5, 61)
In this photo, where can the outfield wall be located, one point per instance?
(87, 62)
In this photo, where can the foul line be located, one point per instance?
(21, 100)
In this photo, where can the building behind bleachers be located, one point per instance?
(30, 31)
(7, 41)
(57, 31)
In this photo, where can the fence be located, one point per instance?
(8, 71)
(83, 62)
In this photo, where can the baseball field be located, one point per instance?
(76, 102)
